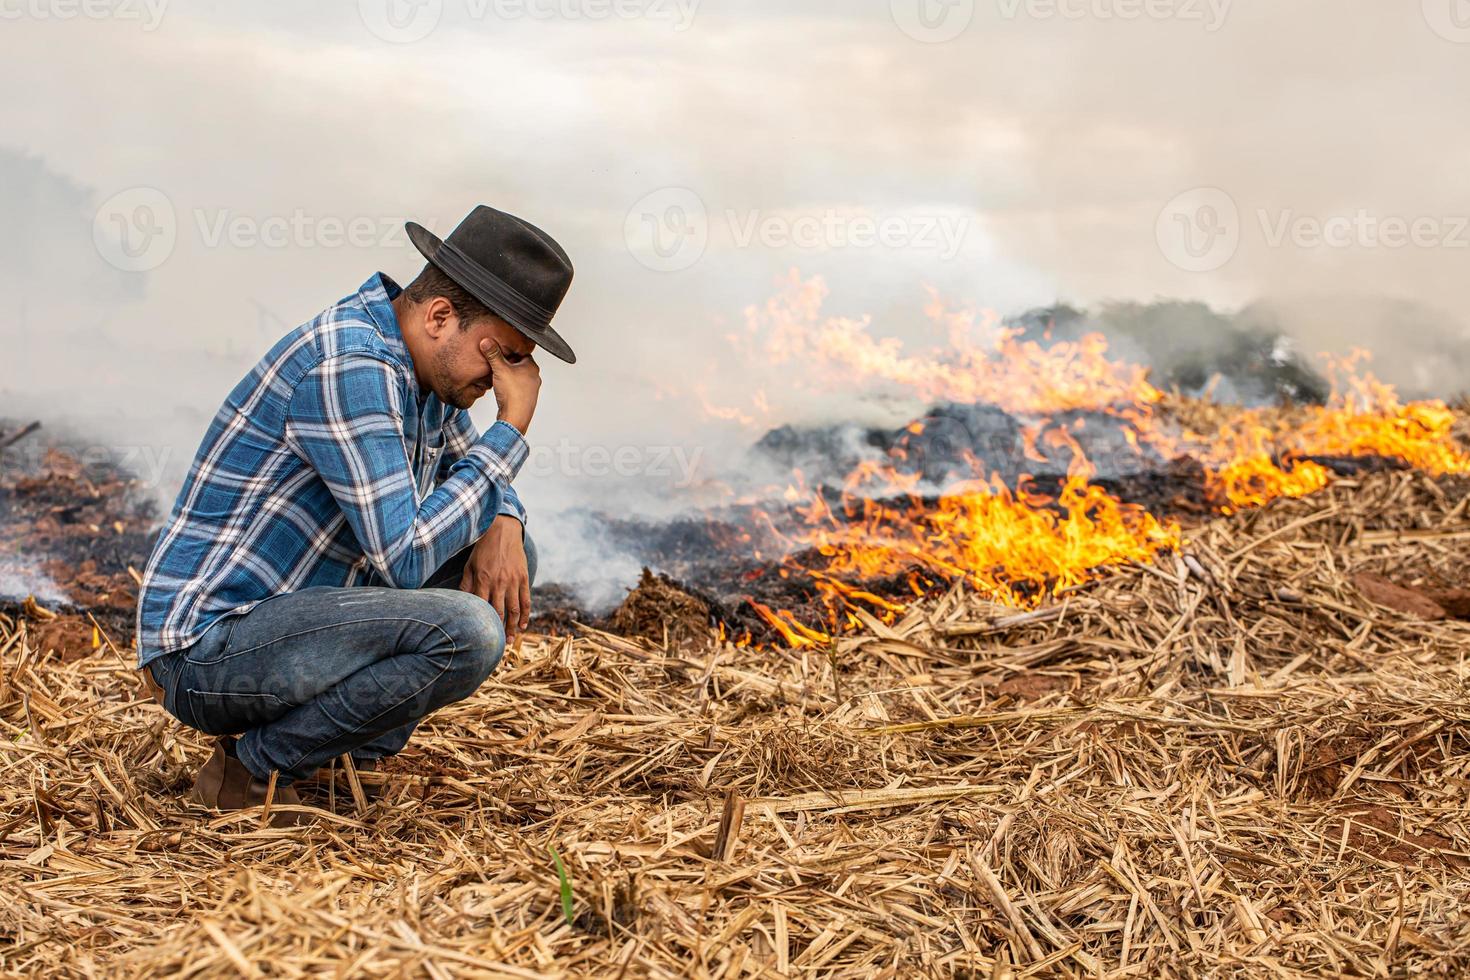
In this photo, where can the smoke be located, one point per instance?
(20, 578)
(1291, 170)
(1424, 351)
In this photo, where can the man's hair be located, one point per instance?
(433, 282)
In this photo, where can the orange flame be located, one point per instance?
(1020, 376)
(1010, 544)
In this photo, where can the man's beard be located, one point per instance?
(460, 397)
(465, 397)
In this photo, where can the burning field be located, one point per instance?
(1040, 464)
(1076, 672)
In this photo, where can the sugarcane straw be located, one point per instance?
(1257, 771)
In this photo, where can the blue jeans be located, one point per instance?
(306, 676)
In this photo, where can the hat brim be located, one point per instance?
(486, 288)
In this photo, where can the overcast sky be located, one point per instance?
(182, 182)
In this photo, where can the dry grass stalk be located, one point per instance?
(1183, 774)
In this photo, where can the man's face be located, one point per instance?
(461, 374)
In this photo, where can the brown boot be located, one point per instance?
(225, 784)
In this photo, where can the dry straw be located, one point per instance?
(1227, 765)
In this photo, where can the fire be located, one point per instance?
(983, 361)
(785, 623)
(886, 534)
(1011, 546)
(1365, 418)
(1258, 455)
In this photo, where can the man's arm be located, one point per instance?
(346, 420)
(459, 435)
(496, 570)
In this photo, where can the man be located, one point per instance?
(346, 554)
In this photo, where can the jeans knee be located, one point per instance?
(532, 556)
(479, 642)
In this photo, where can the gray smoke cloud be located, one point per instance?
(184, 183)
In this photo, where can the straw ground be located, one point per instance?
(1232, 763)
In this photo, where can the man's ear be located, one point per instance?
(439, 317)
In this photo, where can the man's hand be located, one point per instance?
(516, 386)
(497, 573)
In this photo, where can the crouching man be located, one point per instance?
(346, 554)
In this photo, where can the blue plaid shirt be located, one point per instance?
(325, 466)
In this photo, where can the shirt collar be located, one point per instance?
(377, 296)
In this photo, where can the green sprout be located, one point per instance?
(566, 884)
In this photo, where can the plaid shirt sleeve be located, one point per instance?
(459, 435)
(346, 420)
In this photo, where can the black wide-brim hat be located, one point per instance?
(510, 265)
